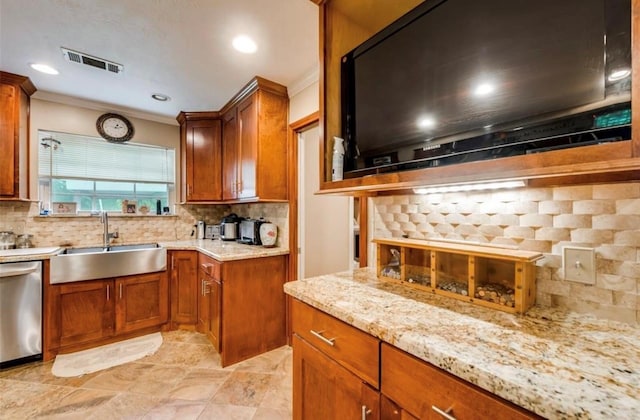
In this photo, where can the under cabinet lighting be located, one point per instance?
(470, 187)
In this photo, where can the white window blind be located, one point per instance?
(94, 158)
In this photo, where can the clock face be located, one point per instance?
(114, 128)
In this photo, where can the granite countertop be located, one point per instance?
(220, 250)
(554, 363)
(225, 250)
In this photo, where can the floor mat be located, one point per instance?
(103, 357)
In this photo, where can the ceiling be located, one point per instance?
(180, 48)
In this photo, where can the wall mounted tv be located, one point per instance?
(457, 81)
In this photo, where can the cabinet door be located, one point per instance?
(392, 411)
(215, 312)
(322, 389)
(8, 116)
(203, 147)
(84, 310)
(230, 155)
(248, 147)
(142, 301)
(184, 287)
(204, 298)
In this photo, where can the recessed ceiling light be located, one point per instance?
(244, 44)
(619, 75)
(426, 122)
(160, 97)
(484, 89)
(43, 68)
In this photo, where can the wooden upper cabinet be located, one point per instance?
(15, 93)
(201, 156)
(343, 27)
(255, 143)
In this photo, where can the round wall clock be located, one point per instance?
(114, 128)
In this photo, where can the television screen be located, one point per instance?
(459, 80)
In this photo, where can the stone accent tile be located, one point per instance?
(627, 268)
(593, 207)
(536, 220)
(543, 299)
(491, 208)
(616, 282)
(393, 225)
(455, 219)
(456, 197)
(401, 217)
(616, 253)
(552, 261)
(491, 230)
(409, 208)
(435, 218)
(627, 206)
(521, 207)
(408, 227)
(479, 219)
(554, 207)
(400, 199)
(504, 220)
(425, 208)
(386, 217)
(519, 232)
(536, 194)
(580, 192)
(571, 221)
(591, 293)
(552, 234)
(383, 200)
(446, 208)
(466, 207)
(417, 218)
(592, 236)
(506, 196)
(535, 245)
(617, 191)
(443, 228)
(616, 222)
(628, 237)
(454, 236)
(465, 229)
(477, 238)
(425, 228)
(504, 241)
(393, 208)
(553, 287)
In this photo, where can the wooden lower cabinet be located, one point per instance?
(141, 301)
(392, 411)
(90, 313)
(323, 389)
(184, 288)
(210, 299)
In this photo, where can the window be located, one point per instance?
(98, 175)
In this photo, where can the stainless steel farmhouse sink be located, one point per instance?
(78, 264)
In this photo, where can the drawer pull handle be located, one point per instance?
(444, 413)
(329, 341)
(365, 412)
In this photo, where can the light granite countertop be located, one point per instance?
(220, 250)
(557, 364)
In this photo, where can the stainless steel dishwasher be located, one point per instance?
(20, 312)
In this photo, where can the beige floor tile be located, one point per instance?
(279, 394)
(20, 400)
(126, 406)
(176, 409)
(80, 403)
(119, 378)
(270, 362)
(263, 413)
(243, 388)
(158, 380)
(199, 384)
(227, 412)
(40, 372)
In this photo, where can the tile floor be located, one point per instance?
(182, 380)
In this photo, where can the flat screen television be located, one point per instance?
(457, 81)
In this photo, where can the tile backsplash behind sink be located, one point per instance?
(23, 217)
(603, 217)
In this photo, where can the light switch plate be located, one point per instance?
(579, 264)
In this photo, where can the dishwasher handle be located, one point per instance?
(18, 269)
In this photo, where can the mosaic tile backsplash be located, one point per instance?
(23, 217)
(603, 217)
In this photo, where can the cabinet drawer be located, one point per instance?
(211, 267)
(422, 389)
(352, 348)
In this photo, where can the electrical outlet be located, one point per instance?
(579, 264)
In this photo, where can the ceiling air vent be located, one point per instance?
(89, 60)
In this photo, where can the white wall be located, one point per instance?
(53, 116)
(305, 102)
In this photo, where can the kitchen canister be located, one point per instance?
(268, 234)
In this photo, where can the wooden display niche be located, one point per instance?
(494, 277)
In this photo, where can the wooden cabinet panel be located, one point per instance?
(422, 389)
(184, 287)
(230, 153)
(350, 347)
(15, 92)
(215, 314)
(253, 307)
(201, 152)
(210, 298)
(392, 411)
(248, 147)
(85, 311)
(142, 301)
(325, 390)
